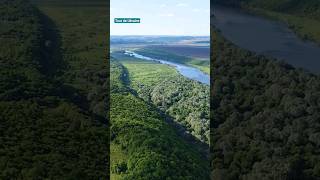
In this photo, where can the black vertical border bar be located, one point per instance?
(107, 103)
(211, 85)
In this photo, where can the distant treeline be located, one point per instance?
(153, 148)
(265, 117)
(48, 129)
(308, 8)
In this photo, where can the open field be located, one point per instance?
(147, 72)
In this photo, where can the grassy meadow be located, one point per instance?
(147, 72)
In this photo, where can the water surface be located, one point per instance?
(187, 71)
(266, 37)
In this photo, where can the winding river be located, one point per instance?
(187, 71)
(266, 37)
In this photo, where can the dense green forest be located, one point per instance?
(53, 92)
(303, 16)
(185, 100)
(265, 117)
(144, 145)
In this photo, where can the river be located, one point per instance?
(266, 37)
(187, 71)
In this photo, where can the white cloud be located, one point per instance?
(182, 5)
(163, 5)
(167, 15)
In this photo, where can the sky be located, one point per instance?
(161, 17)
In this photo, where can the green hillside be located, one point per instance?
(186, 101)
(52, 97)
(265, 117)
(143, 144)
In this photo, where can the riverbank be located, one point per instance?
(301, 16)
(187, 71)
(266, 37)
(191, 58)
(200, 64)
(305, 28)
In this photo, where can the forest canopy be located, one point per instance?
(152, 148)
(50, 128)
(265, 117)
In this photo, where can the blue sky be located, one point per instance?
(161, 17)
